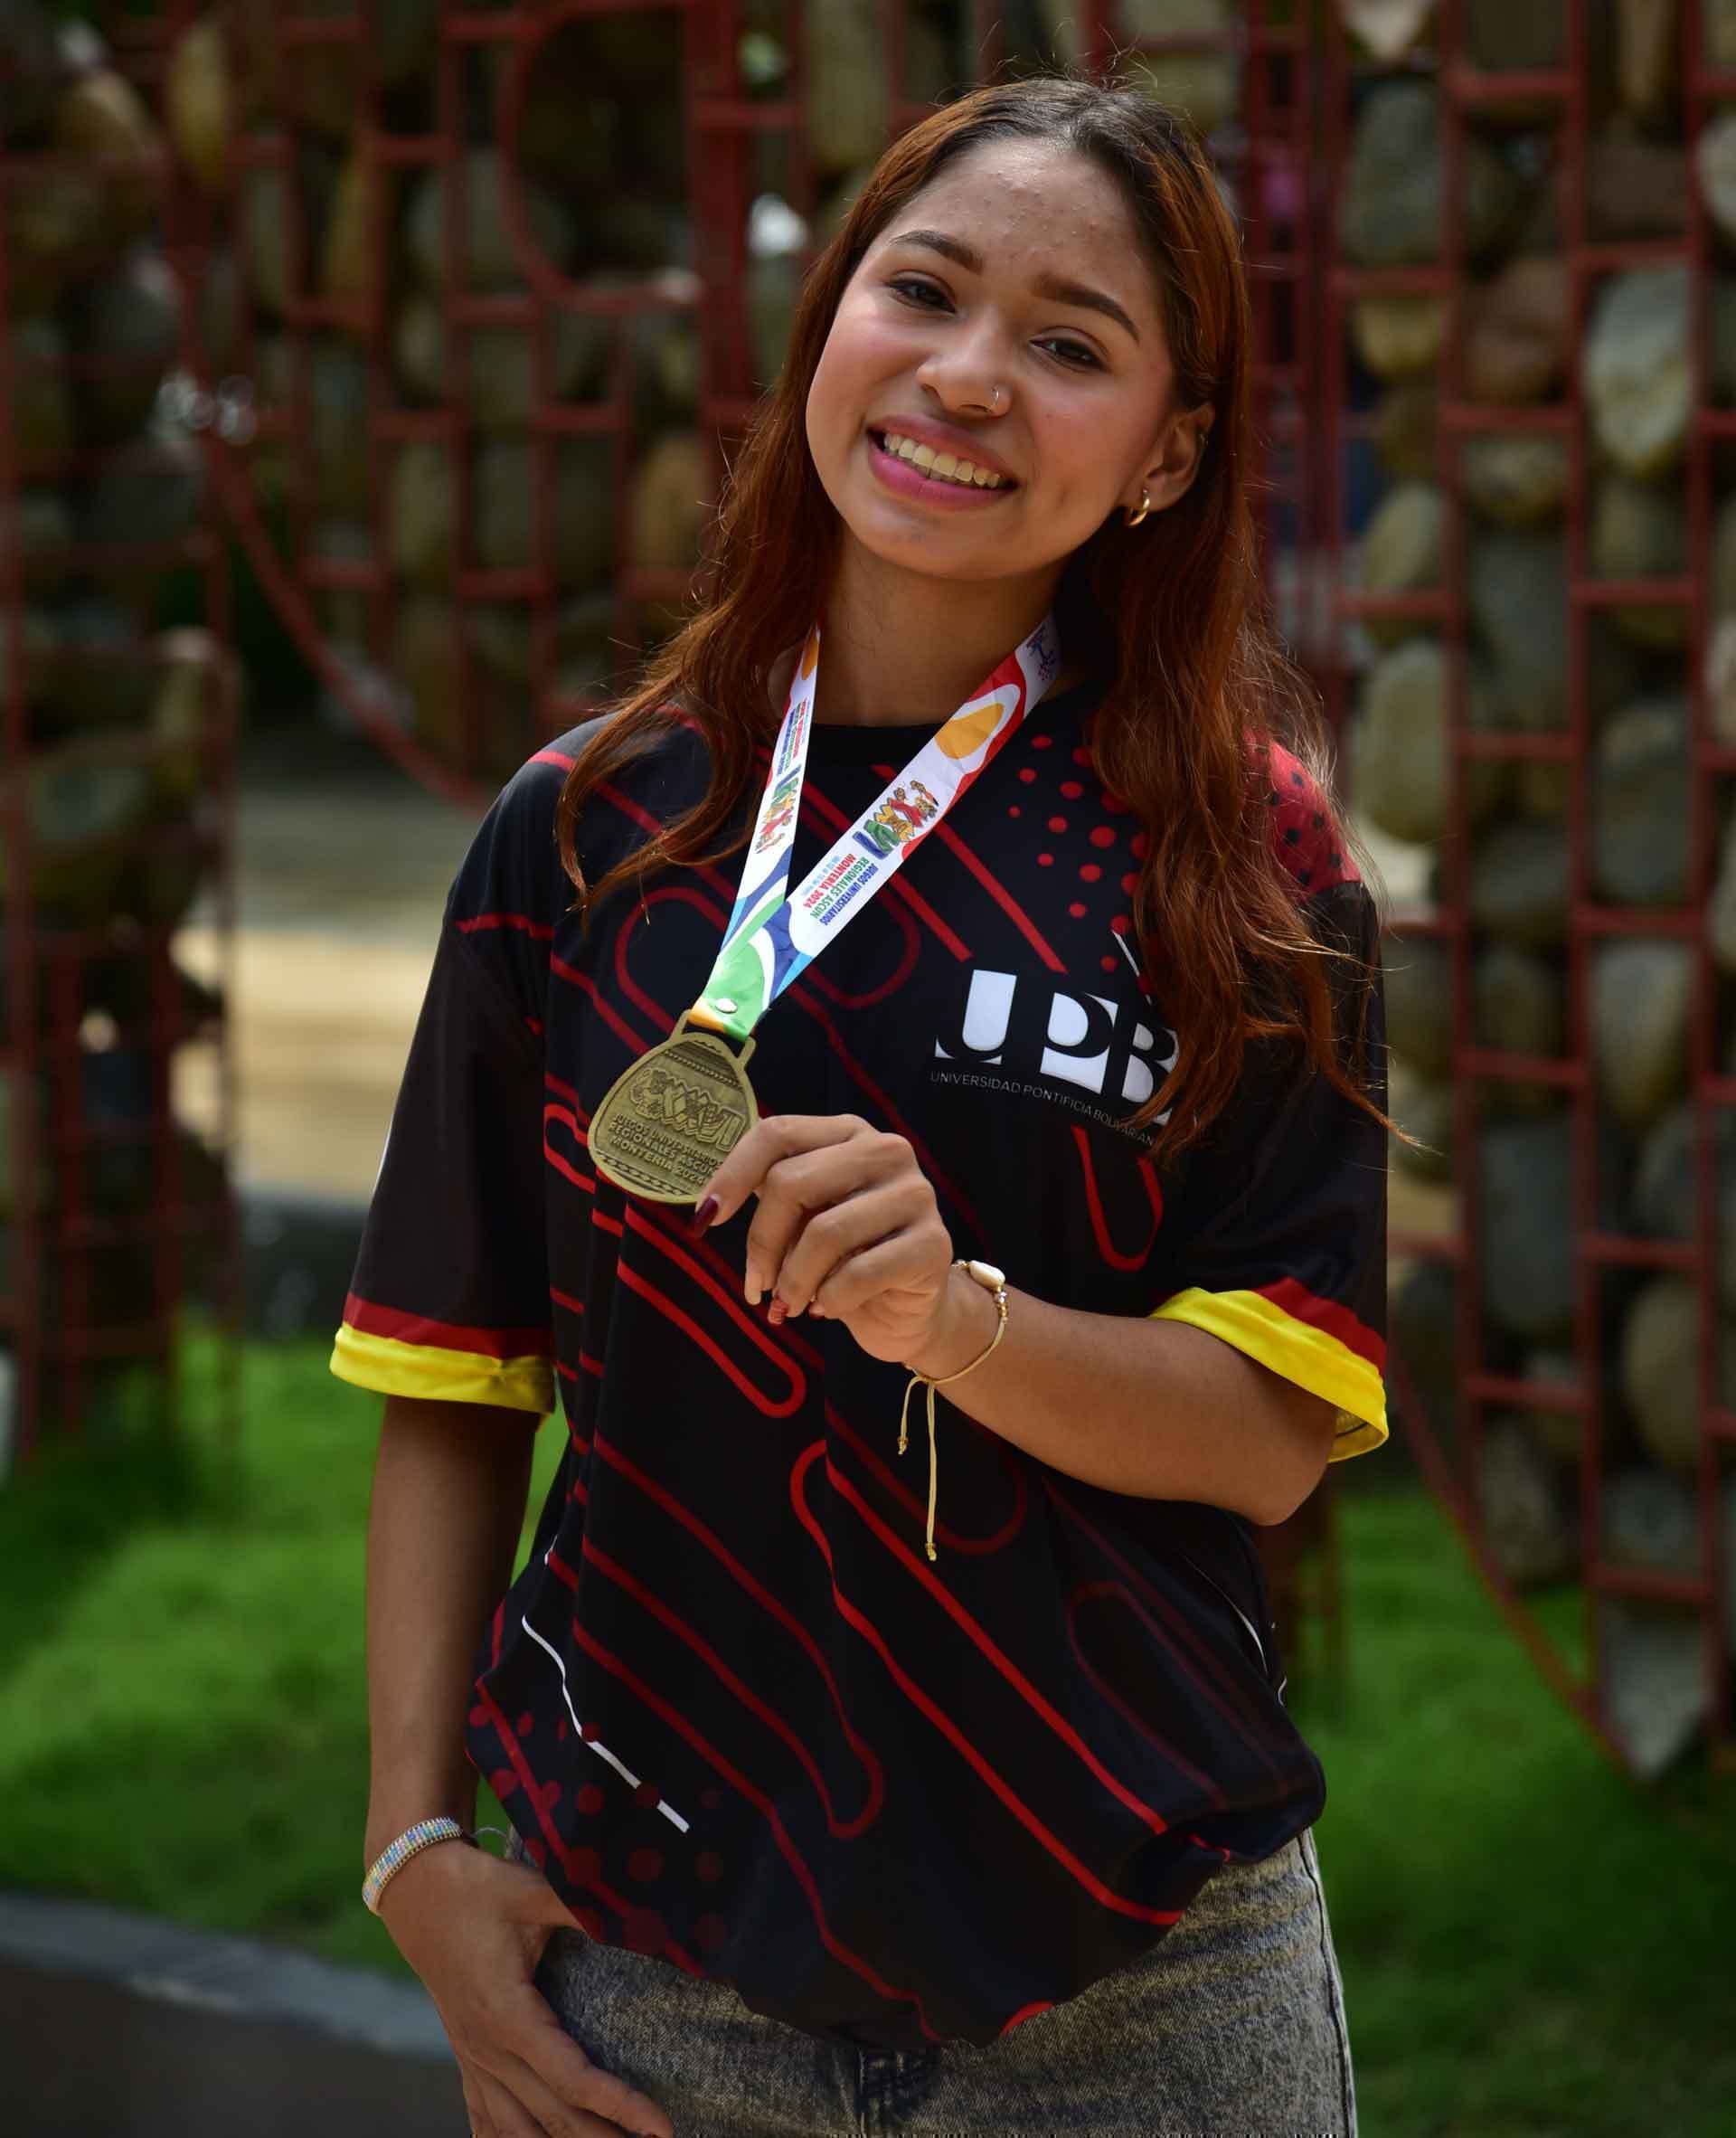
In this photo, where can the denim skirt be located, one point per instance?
(1233, 2022)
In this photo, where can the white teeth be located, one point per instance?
(941, 467)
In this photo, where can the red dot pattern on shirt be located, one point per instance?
(1078, 910)
(1071, 789)
(710, 1933)
(1109, 964)
(503, 1781)
(1043, 742)
(589, 1798)
(1026, 775)
(1045, 860)
(643, 1930)
(708, 1864)
(1103, 836)
(1057, 824)
(648, 1794)
(1089, 872)
(526, 1723)
(644, 1864)
(1305, 835)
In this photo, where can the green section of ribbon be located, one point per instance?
(739, 977)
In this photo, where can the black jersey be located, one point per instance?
(741, 1721)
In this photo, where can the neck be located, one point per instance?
(899, 647)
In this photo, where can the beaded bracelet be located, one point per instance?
(396, 1854)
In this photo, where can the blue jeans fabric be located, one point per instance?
(1232, 2023)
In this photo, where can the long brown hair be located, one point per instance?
(1196, 686)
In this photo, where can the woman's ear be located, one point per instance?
(1181, 449)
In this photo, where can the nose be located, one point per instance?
(964, 375)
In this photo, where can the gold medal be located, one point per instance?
(668, 1122)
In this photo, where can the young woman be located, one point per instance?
(843, 1804)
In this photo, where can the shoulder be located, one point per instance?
(1305, 824)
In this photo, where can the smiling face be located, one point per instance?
(1020, 268)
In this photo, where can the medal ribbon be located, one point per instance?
(775, 934)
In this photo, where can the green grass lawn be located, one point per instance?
(1530, 1943)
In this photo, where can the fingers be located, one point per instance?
(909, 1258)
(778, 1136)
(887, 1219)
(553, 2076)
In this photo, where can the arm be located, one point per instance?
(1152, 1408)
(847, 1226)
(450, 1483)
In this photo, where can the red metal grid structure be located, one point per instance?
(1453, 1471)
(93, 1005)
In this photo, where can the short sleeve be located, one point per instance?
(1283, 1207)
(449, 1297)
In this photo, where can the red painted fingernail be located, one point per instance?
(775, 1311)
(704, 1216)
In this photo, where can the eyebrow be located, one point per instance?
(1056, 286)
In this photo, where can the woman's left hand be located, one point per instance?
(847, 1228)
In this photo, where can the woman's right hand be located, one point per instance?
(473, 1926)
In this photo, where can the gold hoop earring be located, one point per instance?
(1134, 518)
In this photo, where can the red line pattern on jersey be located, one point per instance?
(954, 1540)
(1105, 1247)
(538, 930)
(369, 1318)
(1088, 1592)
(955, 1737)
(840, 1828)
(1337, 1321)
(1202, 1666)
(792, 1855)
(660, 1496)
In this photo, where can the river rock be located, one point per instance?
(670, 503)
(1417, 977)
(1399, 337)
(42, 413)
(1664, 1202)
(1636, 186)
(490, 259)
(200, 101)
(84, 684)
(1516, 481)
(1530, 1275)
(1720, 678)
(1503, 39)
(1519, 1007)
(1646, 69)
(1651, 1519)
(1640, 804)
(1721, 910)
(421, 514)
(1660, 1377)
(1387, 28)
(151, 493)
(848, 104)
(263, 193)
(1640, 531)
(1640, 996)
(502, 360)
(1202, 84)
(1391, 213)
(1425, 1337)
(1714, 163)
(1519, 1002)
(502, 635)
(1399, 552)
(347, 265)
(30, 70)
(1634, 368)
(1399, 750)
(1405, 430)
(425, 660)
(100, 118)
(1560, 1432)
(80, 813)
(1653, 1679)
(1526, 1524)
(1517, 594)
(133, 310)
(1517, 337)
(503, 504)
(1519, 883)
